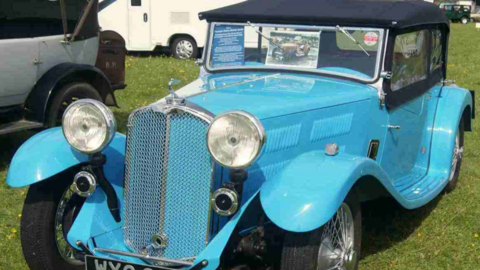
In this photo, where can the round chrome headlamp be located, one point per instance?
(88, 125)
(235, 139)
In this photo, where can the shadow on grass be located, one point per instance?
(10, 143)
(386, 223)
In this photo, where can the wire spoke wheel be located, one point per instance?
(457, 156)
(66, 212)
(337, 243)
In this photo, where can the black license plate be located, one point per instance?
(95, 263)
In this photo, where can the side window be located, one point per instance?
(448, 7)
(136, 3)
(436, 51)
(410, 59)
(37, 18)
(456, 8)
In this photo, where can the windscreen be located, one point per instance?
(344, 51)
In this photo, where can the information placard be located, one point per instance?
(228, 48)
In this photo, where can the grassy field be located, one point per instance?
(442, 235)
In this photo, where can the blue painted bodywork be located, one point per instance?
(299, 186)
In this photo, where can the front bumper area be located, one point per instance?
(101, 234)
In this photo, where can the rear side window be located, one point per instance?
(436, 52)
(410, 59)
(136, 3)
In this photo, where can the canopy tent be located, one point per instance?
(384, 14)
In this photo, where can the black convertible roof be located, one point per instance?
(375, 13)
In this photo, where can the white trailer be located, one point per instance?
(149, 24)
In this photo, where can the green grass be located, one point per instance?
(441, 235)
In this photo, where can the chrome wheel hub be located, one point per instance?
(337, 250)
(184, 49)
(457, 156)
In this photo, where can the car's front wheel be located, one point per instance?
(48, 214)
(336, 245)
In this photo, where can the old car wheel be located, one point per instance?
(66, 96)
(184, 48)
(464, 20)
(48, 214)
(456, 159)
(336, 245)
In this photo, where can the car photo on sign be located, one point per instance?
(293, 49)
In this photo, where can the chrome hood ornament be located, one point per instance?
(174, 98)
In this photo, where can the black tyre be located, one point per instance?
(48, 214)
(456, 159)
(184, 48)
(464, 20)
(66, 96)
(326, 247)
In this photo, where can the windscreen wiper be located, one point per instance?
(265, 37)
(341, 29)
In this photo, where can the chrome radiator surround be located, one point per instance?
(168, 181)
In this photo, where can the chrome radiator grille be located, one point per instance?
(168, 174)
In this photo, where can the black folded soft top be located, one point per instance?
(381, 14)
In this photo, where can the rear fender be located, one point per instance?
(48, 153)
(308, 192)
(453, 104)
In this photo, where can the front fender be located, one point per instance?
(48, 153)
(308, 192)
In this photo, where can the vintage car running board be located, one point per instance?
(144, 257)
(19, 125)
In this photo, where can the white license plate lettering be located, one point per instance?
(101, 264)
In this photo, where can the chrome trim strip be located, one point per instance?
(305, 27)
(144, 257)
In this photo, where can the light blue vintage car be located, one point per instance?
(263, 161)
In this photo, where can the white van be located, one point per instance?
(149, 24)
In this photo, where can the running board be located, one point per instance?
(415, 186)
(18, 126)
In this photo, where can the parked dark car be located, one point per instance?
(457, 13)
(50, 57)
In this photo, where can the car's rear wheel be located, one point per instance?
(336, 245)
(66, 96)
(464, 20)
(48, 214)
(456, 159)
(184, 48)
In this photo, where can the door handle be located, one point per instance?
(36, 62)
(395, 127)
(145, 17)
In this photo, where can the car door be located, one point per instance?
(139, 26)
(18, 69)
(408, 120)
